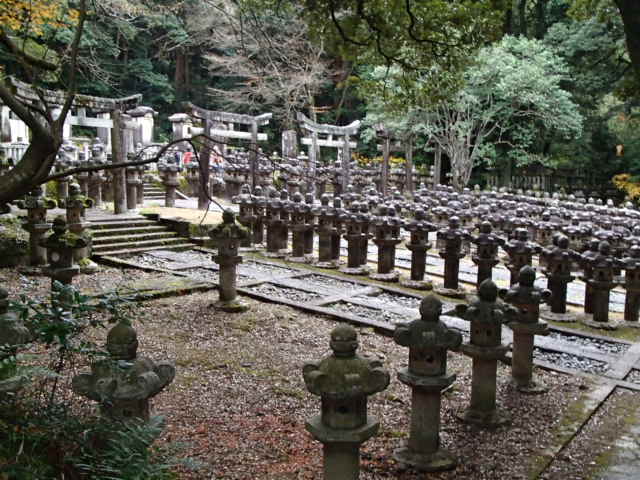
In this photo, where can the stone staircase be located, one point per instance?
(124, 236)
(153, 192)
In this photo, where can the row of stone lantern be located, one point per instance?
(344, 380)
(357, 225)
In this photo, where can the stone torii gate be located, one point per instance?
(390, 144)
(210, 118)
(314, 143)
(121, 132)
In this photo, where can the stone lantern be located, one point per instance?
(36, 224)
(356, 257)
(343, 380)
(602, 281)
(545, 229)
(632, 285)
(428, 340)
(486, 315)
(170, 181)
(326, 216)
(298, 211)
(418, 245)
(339, 217)
(520, 251)
(124, 383)
(526, 298)
(75, 204)
(61, 246)
(310, 219)
(557, 264)
(386, 237)
(452, 244)
(246, 215)
(13, 334)
(226, 238)
(97, 178)
(485, 251)
(274, 226)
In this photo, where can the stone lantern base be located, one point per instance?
(491, 419)
(416, 284)
(459, 292)
(567, 317)
(231, 306)
(332, 264)
(362, 270)
(587, 319)
(302, 259)
(432, 462)
(392, 276)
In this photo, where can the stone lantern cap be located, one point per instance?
(344, 374)
(62, 238)
(229, 229)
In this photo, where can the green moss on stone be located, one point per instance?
(14, 242)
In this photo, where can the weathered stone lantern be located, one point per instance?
(486, 315)
(526, 298)
(386, 237)
(298, 211)
(520, 251)
(418, 245)
(170, 181)
(246, 215)
(485, 251)
(354, 234)
(61, 246)
(226, 238)
(326, 217)
(124, 383)
(428, 340)
(344, 380)
(557, 264)
(274, 226)
(75, 205)
(259, 204)
(133, 180)
(602, 281)
(452, 244)
(36, 224)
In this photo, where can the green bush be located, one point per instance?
(44, 432)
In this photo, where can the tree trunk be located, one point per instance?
(32, 169)
(522, 17)
(630, 12)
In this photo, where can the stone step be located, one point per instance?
(106, 232)
(138, 222)
(180, 247)
(130, 238)
(153, 192)
(142, 244)
(154, 197)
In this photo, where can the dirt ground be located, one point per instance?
(239, 403)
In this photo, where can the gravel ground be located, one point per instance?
(239, 400)
(367, 312)
(592, 343)
(330, 283)
(293, 294)
(567, 360)
(400, 300)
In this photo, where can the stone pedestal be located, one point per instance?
(419, 245)
(226, 238)
(133, 179)
(343, 380)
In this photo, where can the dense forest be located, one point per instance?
(520, 82)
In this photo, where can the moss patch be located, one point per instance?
(14, 242)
